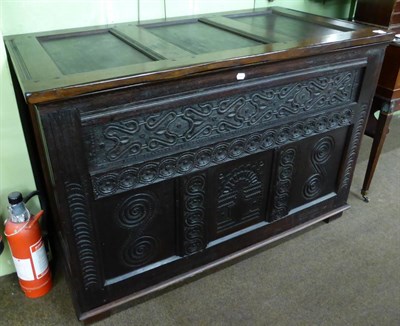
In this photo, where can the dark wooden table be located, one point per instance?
(386, 103)
(171, 147)
(382, 14)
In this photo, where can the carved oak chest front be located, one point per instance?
(168, 148)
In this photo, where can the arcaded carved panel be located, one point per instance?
(240, 195)
(147, 136)
(120, 180)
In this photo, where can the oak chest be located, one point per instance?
(169, 147)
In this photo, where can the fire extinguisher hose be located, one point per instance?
(30, 221)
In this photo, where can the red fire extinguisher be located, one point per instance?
(27, 248)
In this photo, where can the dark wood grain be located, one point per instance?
(323, 23)
(251, 31)
(173, 146)
(143, 37)
(46, 77)
(89, 52)
(198, 38)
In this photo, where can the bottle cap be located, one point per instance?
(15, 198)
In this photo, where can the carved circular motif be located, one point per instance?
(302, 97)
(127, 179)
(345, 117)
(167, 167)
(195, 202)
(309, 127)
(323, 150)
(283, 135)
(194, 218)
(297, 130)
(236, 148)
(148, 173)
(107, 184)
(136, 210)
(195, 232)
(334, 120)
(268, 139)
(220, 152)
(140, 251)
(193, 246)
(322, 124)
(203, 158)
(253, 143)
(285, 172)
(178, 127)
(196, 184)
(288, 157)
(246, 111)
(185, 163)
(312, 187)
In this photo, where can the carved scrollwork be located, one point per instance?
(321, 153)
(83, 234)
(184, 127)
(136, 210)
(108, 183)
(283, 184)
(134, 214)
(140, 251)
(353, 152)
(194, 214)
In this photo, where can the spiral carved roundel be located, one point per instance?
(136, 210)
(320, 155)
(140, 251)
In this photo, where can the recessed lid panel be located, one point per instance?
(296, 29)
(89, 52)
(197, 37)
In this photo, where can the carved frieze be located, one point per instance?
(120, 180)
(146, 136)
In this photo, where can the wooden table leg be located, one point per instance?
(379, 139)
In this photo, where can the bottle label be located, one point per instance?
(24, 269)
(39, 259)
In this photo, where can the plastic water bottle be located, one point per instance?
(18, 211)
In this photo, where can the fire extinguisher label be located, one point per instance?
(24, 269)
(39, 259)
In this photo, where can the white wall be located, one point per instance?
(26, 16)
